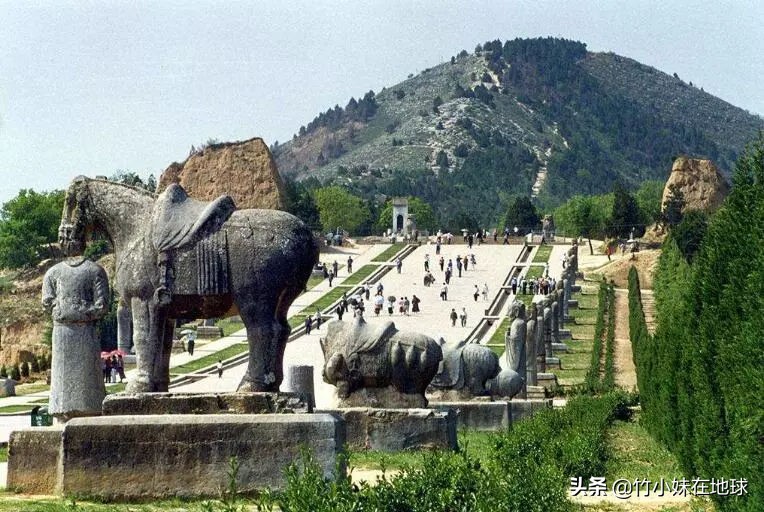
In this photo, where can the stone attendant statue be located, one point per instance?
(77, 294)
(555, 319)
(540, 347)
(547, 328)
(560, 298)
(531, 327)
(515, 341)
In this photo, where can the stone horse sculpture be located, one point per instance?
(181, 258)
(379, 366)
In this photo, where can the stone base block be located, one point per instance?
(573, 304)
(565, 334)
(33, 459)
(546, 380)
(559, 347)
(576, 288)
(535, 392)
(128, 404)
(209, 332)
(391, 430)
(478, 415)
(521, 409)
(569, 319)
(382, 398)
(553, 362)
(152, 457)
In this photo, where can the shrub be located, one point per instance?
(34, 366)
(15, 373)
(3, 372)
(24, 369)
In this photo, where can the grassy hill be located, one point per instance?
(468, 134)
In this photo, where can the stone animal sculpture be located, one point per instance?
(181, 258)
(466, 369)
(392, 368)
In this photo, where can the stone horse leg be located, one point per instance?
(149, 326)
(263, 333)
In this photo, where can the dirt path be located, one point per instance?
(625, 372)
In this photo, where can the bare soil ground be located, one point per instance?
(618, 269)
(625, 372)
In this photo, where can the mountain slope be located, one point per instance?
(539, 116)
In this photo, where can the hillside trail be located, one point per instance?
(625, 371)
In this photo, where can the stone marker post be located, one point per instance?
(76, 292)
(300, 381)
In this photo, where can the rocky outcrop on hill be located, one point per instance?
(700, 181)
(244, 170)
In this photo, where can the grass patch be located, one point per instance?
(3, 454)
(325, 301)
(498, 349)
(10, 409)
(361, 274)
(10, 502)
(498, 335)
(534, 272)
(542, 254)
(209, 360)
(388, 253)
(118, 387)
(635, 454)
(229, 326)
(313, 281)
(32, 387)
(474, 443)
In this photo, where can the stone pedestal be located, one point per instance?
(536, 393)
(547, 380)
(203, 403)
(391, 430)
(560, 347)
(553, 362)
(573, 304)
(33, 455)
(208, 332)
(492, 416)
(299, 380)
(576, 288)
(7, 387)
(565, 334)
(156, 457)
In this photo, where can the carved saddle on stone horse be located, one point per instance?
(182, 231)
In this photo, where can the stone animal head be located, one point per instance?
(75, 217)
(339, 370)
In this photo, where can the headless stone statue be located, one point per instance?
(547, 329)
(560, 297)
(530, 346)
(77, 294)
(515, 340)
(555, 322)
(540, 347)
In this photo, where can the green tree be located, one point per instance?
(648, 196)
(27, 223)
(441, 160)
(522, 214)
(337, 208)
(299, 202)
(134, 179)
(626, 217)
(689, 233)
(671, 213)
(423, 213)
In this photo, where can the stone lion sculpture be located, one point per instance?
(378, 366)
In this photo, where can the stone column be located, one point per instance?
(548, 330)
(300, 380)
(567, 291)
(555, 322)
(540, 347)
(77, 294)
(530, 347)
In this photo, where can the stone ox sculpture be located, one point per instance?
(378, 366)
(177, 257)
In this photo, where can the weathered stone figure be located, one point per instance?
(560, 298)
(531, 328)
(547, 228)
(555, 320)
(547, 312)
(540, 346)
(177, 257)
(76, 292)
(379, 366)
(515, 341)
(466, 369)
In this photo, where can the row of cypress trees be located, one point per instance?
(701, 375)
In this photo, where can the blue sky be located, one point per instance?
(94, 87)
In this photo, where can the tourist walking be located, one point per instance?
(191, 342)
(415, 304)
(350, 264)
(437, 249)
(380, 288)
(470, 240)
(476, 293)
(121, 368)
(444, 292)
(453, 317)
(513, 284)
(308, 324)
(485, 291)
(406, 305)
(459, 265)
(317, 319)
(401, 305)
(463, 317)
(426, 262)
(466, 262)
(220, 368)
(340, 311)
(441, 261)
(335, 267)
(331, 277)
(379, 301)
(398, 264)
(448, 276)
(473, 261)
(390, 304)
(367, 290)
